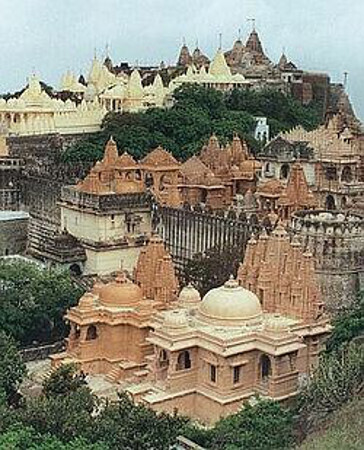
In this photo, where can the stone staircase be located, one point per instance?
(113, 375)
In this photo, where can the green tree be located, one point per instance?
(63, 381)
(338, 379)
(196, 113)
(347, 326)
(33, 301)
(211, 269)
(26, 438)
(12, 368)
(123, 424)
(265, 425)
(66, 416)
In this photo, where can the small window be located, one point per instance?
(184, 361)
(91, 333)
(236, 374)
(213, 373)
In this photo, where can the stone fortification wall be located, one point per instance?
(337, 242)
(13, 233)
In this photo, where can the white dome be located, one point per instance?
(230, 305)
(189, 295)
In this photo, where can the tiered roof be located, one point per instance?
(114, 174)
(297, 195)
(159, 158)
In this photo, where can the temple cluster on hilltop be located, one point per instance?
(259, 334)
(79, 105)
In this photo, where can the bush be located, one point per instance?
(266, 425)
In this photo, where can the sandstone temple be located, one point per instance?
(260, 334)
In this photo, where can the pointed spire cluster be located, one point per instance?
(282, 274)
(155, 272)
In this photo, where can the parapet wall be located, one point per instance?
(337, 243)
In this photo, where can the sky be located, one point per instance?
(49, 37)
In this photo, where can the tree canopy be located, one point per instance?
(197, 112)
(33, 301)
(12, 369)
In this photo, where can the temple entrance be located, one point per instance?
(330, 203)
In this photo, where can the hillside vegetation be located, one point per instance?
(196, 114)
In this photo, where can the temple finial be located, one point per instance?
(346, 76)
(220, 41)
(253, 23)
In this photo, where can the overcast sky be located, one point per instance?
(51, 36)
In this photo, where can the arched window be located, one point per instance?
(184, 360)
(163, 355)
(330, 203)
(331, 173)
(265, 367)
(347, 175)
(91, 333)
(284, 172)
(149, 182)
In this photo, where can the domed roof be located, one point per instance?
(120, 293)
(175, 319)
(230, 305)
(189, 295)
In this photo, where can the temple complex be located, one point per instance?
(110, 324)
(338, 181)
(259, 335)
(217, 76)
(35, 112)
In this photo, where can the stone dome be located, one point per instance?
(231, 305)
(189, 295)
(120, 293)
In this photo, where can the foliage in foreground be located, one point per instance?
(265, 425)
(26, 438)
(12, 369)
(343, 431)
(338, 379)
(33, 301)
(347, 326)
(196, 114)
